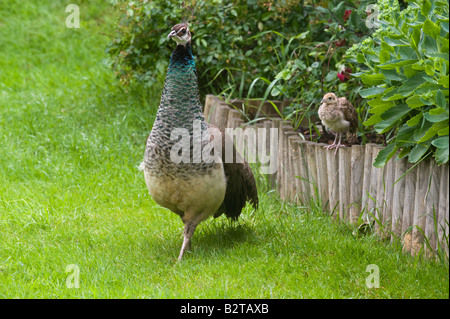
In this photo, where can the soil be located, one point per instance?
(347, 140)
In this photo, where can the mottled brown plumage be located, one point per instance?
(338, 115)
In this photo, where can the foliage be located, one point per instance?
(232, 40)
(318, 63)
(407, 79)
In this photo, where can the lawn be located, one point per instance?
(71, 196)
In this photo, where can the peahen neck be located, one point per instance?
(180, 101)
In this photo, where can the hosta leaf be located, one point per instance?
(414, 120)
(417, 152)
(426, 7)
(391, 94)
(395, 42)
(436, 118)
(384, 56)
(371, 92)
(374, 119)
(393, 75)
(396, 63)
(411, 84)
(385, 155)
(405, 135)
(442, 151)
(441, 142)
(443, 80)
(442, 44)
(391, 117)
(373, 79)
(440, 100)
(414, 101)
(443, 132)
(430, 28)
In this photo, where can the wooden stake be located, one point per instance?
(423, 174)
(322, 177)
(357, 181)
(398, 196)
(408, 206)
(333, 181)
(344, 181)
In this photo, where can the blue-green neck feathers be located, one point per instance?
(180, 100)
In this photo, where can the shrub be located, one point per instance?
(318, 63)
(230, 41)
(407, 79)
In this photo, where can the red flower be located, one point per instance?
(341, 43)
(344, 75)
(347, 14)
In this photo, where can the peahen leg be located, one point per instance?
(338, 144)
(189, 229)
(329, 147)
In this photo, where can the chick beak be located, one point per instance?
(172, 34)
(323, 101)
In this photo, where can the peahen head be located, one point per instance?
(180, 33)
(329, 98)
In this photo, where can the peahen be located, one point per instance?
(193, 189)
(338, 115)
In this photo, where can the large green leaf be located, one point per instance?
(430, 28)
(411, 84)
(417, 152)
(437, 116)
(371, 92)
(396, 63)
(440, 100)
(414, 101)
(442, 152)
(426, 7)
(391, 117)
(373, 79)
(385, 155)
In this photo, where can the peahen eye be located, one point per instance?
(182, 31)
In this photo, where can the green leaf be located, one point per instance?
(440, 100)
(384, 56)
(431, 29)
(431, 132)
(443, 80)
(411, 84)
(396, 63)
(414, 101)
(414, 120)
(360, 58)
(391, 117)
(374, 119)
(417, 152)
(442, 151)
(436, 118)
(373, 79)
(395, 42)
(442, 44)
(443, 132)
(441, 142)
(426, 7)
(371, 92)
(405, 135)
(393, 75)
(391, 94)
(385, 155)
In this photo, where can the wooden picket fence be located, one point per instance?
(393, 199)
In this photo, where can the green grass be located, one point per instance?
(70, 193)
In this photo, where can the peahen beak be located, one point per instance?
(172, 34)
